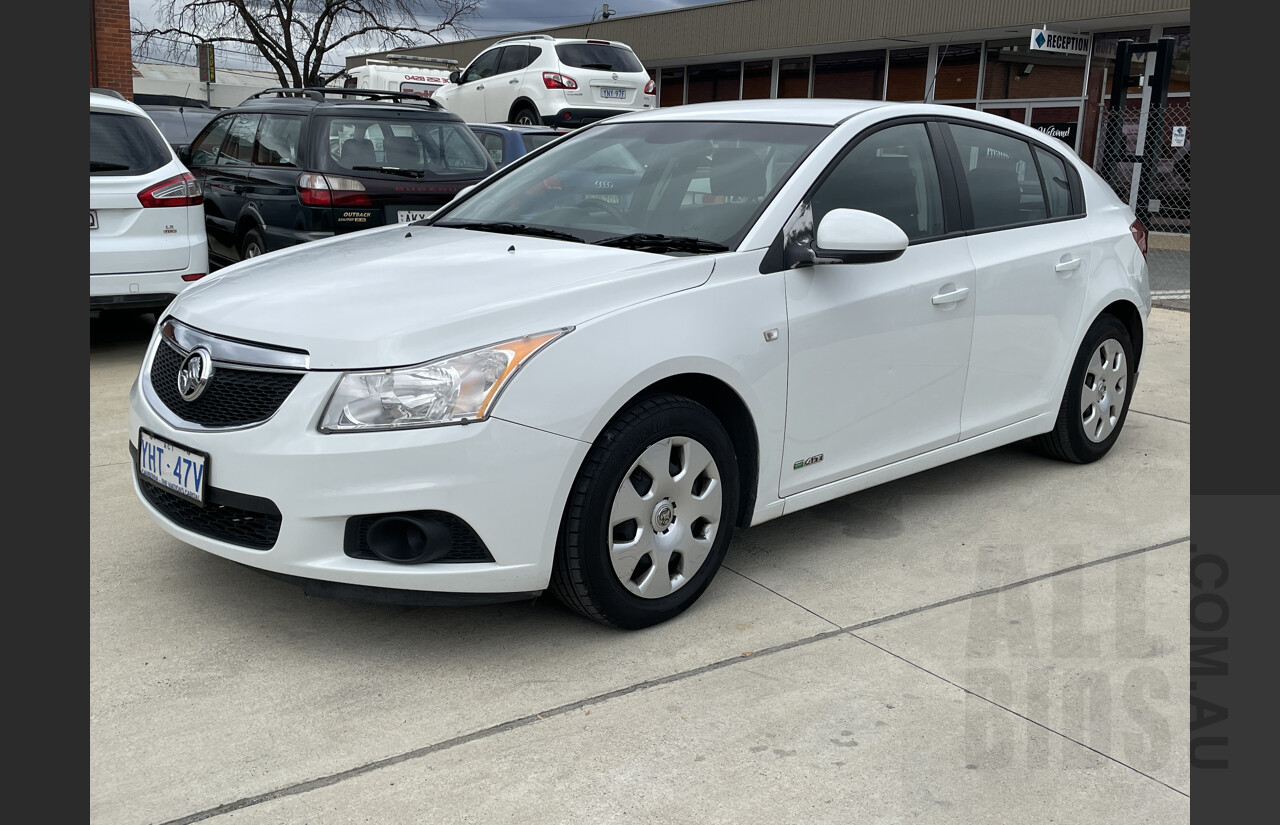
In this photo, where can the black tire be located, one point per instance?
(696, 468)
(1096, 400)
(252, 245)
(526, 116)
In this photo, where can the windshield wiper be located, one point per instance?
(391, 170)
(506, 228)
(663, 243)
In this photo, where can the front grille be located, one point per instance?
(247, 521)
(464, 544)
(234, 397)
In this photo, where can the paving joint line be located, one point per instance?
(299, 788)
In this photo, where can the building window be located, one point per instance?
(671, 92)
(856, 75)
(714, 81)
(1015, 72)
(907, 71)
(793, 77)
(757, 79)
(956, 77)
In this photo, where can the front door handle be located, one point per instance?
(513, 80)
(481, 86)
(1067, 266)
(950, 297)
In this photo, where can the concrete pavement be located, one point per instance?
(1001, 640)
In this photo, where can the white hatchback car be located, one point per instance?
(539, 80)
(147, 238)
(542, 388)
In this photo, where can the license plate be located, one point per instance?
(613, 94)
(177, 469)
(93, 219)
(410, 215)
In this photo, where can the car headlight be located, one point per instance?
(449, 390)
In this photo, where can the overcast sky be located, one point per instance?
(495, 17)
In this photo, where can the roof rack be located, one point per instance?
(417, 58)
(323, 93)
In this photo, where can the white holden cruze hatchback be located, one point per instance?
(584, 373)
(147, 238)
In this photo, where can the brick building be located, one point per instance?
(110, 58)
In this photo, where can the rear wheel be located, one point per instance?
(649, 516)
(526, 116)
(1096, 401)
(253, 244)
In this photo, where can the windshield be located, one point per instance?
(691, 180)
(121, 144)
(408, 148)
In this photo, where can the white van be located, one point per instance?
(397, 73)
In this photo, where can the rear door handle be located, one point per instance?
(514, 80)
(950, 297)
(1068, 266)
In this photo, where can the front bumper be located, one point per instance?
(508, 482)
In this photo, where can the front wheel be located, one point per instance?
(649, 516)
(1096, 401)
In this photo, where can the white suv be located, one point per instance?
(546, 81)
(146, 212)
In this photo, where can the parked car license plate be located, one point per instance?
(410, 215)
(613, 94)
(177, 469)
(93, 219)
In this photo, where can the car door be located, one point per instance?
(1033, 255)
(879, 352)
(204, 163)
(503, 87)
(272, 190)
(466, 97)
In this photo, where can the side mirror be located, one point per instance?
(454, 76)
(852, 236)
(184, 154)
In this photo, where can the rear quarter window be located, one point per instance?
(121, 144)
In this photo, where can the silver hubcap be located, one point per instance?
(1105, 385)
(664, 518)
(252, 251)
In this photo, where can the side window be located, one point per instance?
(278, 141)
(1004, 186)
(482, 67)
(890, 172)
(492, 145)
(514, 58)
(205, 149)
(461, 152)
(1057, 184)
(238, 149)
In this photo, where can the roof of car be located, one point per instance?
(519, 127)
(333, 97)
(815, 111)
(112, 103)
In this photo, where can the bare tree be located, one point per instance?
(296, 36)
